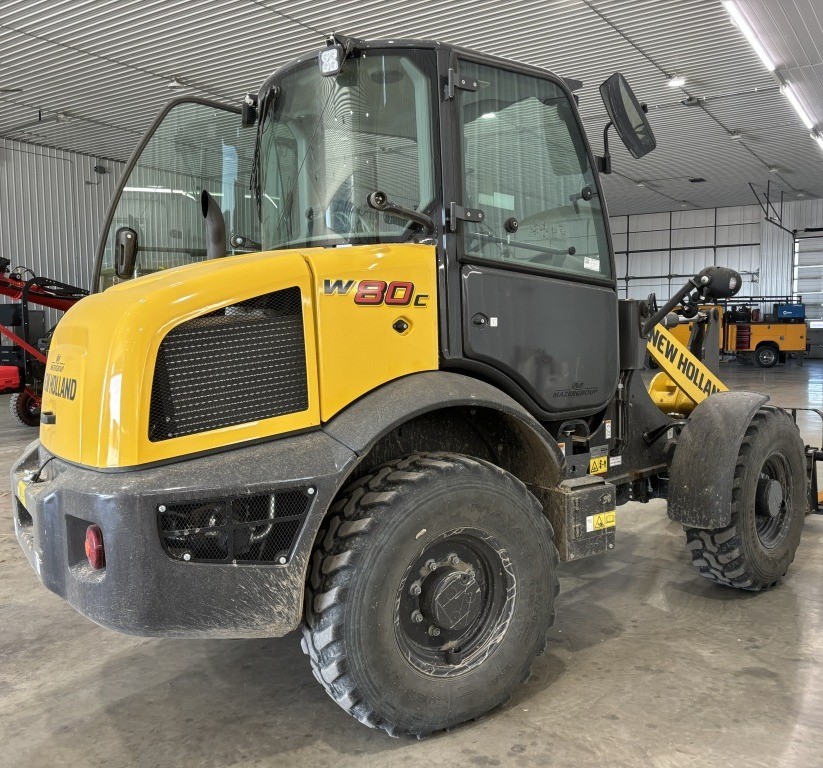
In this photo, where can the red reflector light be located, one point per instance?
(94, 547)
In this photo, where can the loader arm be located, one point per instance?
(682, 369)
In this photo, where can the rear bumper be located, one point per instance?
(143, 590)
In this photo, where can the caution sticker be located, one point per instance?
(601, 521)
(598, 465)
(21, 491)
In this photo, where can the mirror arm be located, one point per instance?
(604, 163)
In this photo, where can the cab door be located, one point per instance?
(537, 286)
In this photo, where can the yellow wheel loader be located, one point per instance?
(384, 386)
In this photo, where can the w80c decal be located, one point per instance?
(398, 293)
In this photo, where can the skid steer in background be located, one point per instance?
(412, 395)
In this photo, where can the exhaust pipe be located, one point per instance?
(215, 226)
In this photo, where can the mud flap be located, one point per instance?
(702, 469)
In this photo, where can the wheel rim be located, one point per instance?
(454, 603)
(772, 507)
(766, 356)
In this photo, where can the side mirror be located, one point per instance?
(125, 252)
(627, 116)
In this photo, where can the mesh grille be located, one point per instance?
(251, 529)
(239, 364)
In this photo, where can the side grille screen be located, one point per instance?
(250, 529)
(238, 364)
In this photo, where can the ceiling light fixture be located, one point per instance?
(788, 91)
(640, 183)
(743, 25)
(735, 135)
(677, 81)
(818, 138)
(175, 85)
(773, 169)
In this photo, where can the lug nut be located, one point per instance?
(454, 559)
(431, 565)
(414, 589)
(417, 617)
(434, 631)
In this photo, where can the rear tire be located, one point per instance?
(431, 592)
(25, 409)
(767, 512)
(767, 356)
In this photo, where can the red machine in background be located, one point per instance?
(23, 363)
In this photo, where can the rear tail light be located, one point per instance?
(94, 547)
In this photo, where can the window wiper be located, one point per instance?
(379, 201)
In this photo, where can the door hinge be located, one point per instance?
(458, 82)
(459, 213)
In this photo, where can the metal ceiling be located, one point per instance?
(93, 73)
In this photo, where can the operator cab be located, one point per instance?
(409, 142)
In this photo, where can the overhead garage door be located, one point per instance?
(808, 274)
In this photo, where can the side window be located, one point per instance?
(524, 160)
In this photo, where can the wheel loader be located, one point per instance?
(357, 368)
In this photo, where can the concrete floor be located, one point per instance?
(647, 665)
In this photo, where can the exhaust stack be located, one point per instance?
(215, 226)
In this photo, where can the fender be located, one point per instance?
(702, 469)
(364, 422)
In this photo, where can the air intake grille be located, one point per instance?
(251, 529)
(239, 364)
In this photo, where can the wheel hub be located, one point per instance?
(451, 599)
(769, 497)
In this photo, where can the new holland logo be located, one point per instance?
(60, 386)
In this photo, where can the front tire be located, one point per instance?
(25, 409)
(768, 508)
(431, 592)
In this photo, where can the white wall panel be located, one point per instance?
(692, 237)
(703, 217)
(649, 240)
(51, 209)
(619, 240)
(734, 234)
(740, 214)
(647, 222)
(737, 237)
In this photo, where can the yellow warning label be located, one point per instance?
(21, 491)
(598, 465)
(601, 521)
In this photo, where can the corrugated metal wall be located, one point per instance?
(51, 208)
(655, 253)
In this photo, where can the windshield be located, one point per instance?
(197, 146)
(328, 142)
